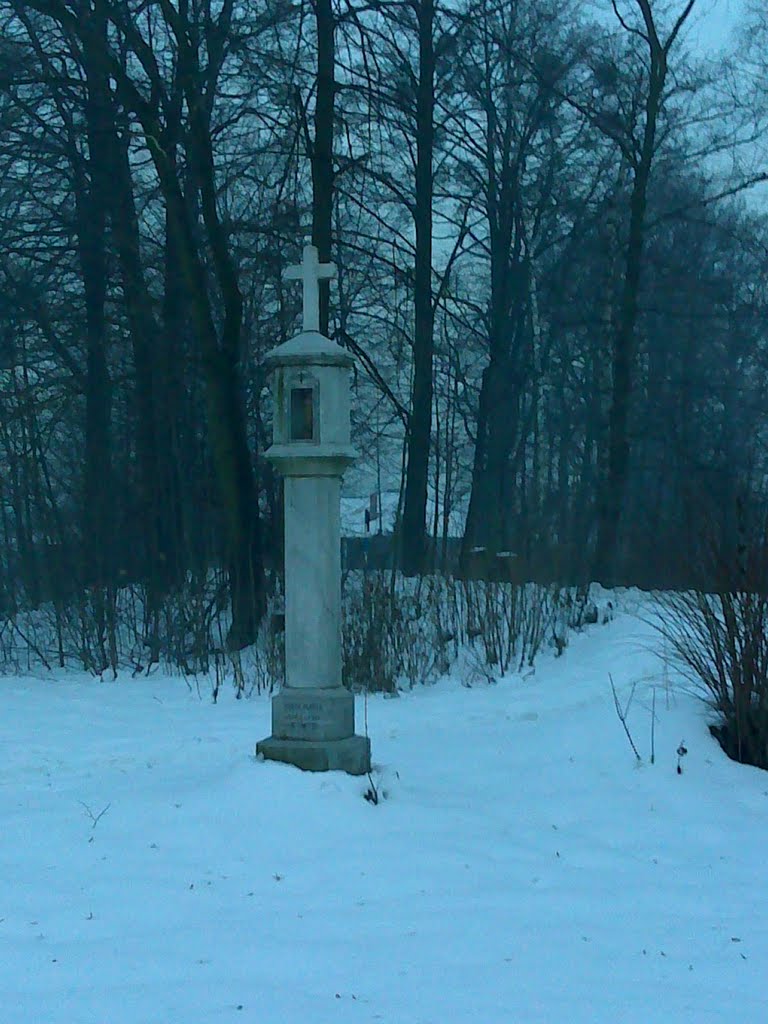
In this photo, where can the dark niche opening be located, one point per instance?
(302, 414)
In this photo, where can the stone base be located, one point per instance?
(351, 755)
(314, 729)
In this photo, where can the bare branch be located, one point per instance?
(623, 715)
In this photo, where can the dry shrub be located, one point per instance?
(388, 634)
(720, 642)
(403, 631)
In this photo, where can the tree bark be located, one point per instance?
(322, 148)
(414, 546)
(91, 204)
(606, 565)
(153, 434)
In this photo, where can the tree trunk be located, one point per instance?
(322, 150)
(625, 344)
(488, 519)
(153, 438)
(91, 203)
(220, 358)
(414, 531)
(91, 207)
(489, 516)
(624, 352)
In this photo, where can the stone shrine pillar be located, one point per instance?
(313, 716)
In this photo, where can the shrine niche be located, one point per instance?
(303, 410)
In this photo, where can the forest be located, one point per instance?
(549, 224)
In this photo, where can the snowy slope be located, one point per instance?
(522, 869)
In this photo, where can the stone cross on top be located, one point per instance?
(310, 273)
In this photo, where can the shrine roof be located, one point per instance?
(310, 348)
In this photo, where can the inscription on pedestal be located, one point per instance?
(319, 715)
(302, 712)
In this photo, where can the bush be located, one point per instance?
(391, 631)
(397, 632)
(402, 631)
(720, 641)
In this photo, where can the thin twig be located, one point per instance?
(623, 715)
(95, 818)
(372, 794)
(653, 727)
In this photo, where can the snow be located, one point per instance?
(521, 869)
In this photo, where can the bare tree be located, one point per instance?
(639, 151)
(505, 125)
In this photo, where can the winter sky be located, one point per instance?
(709, 27)
(713, 22)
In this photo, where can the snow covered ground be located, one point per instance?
(522, 868)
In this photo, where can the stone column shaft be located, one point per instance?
(312, 582)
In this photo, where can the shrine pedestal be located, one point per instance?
(314, 730)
